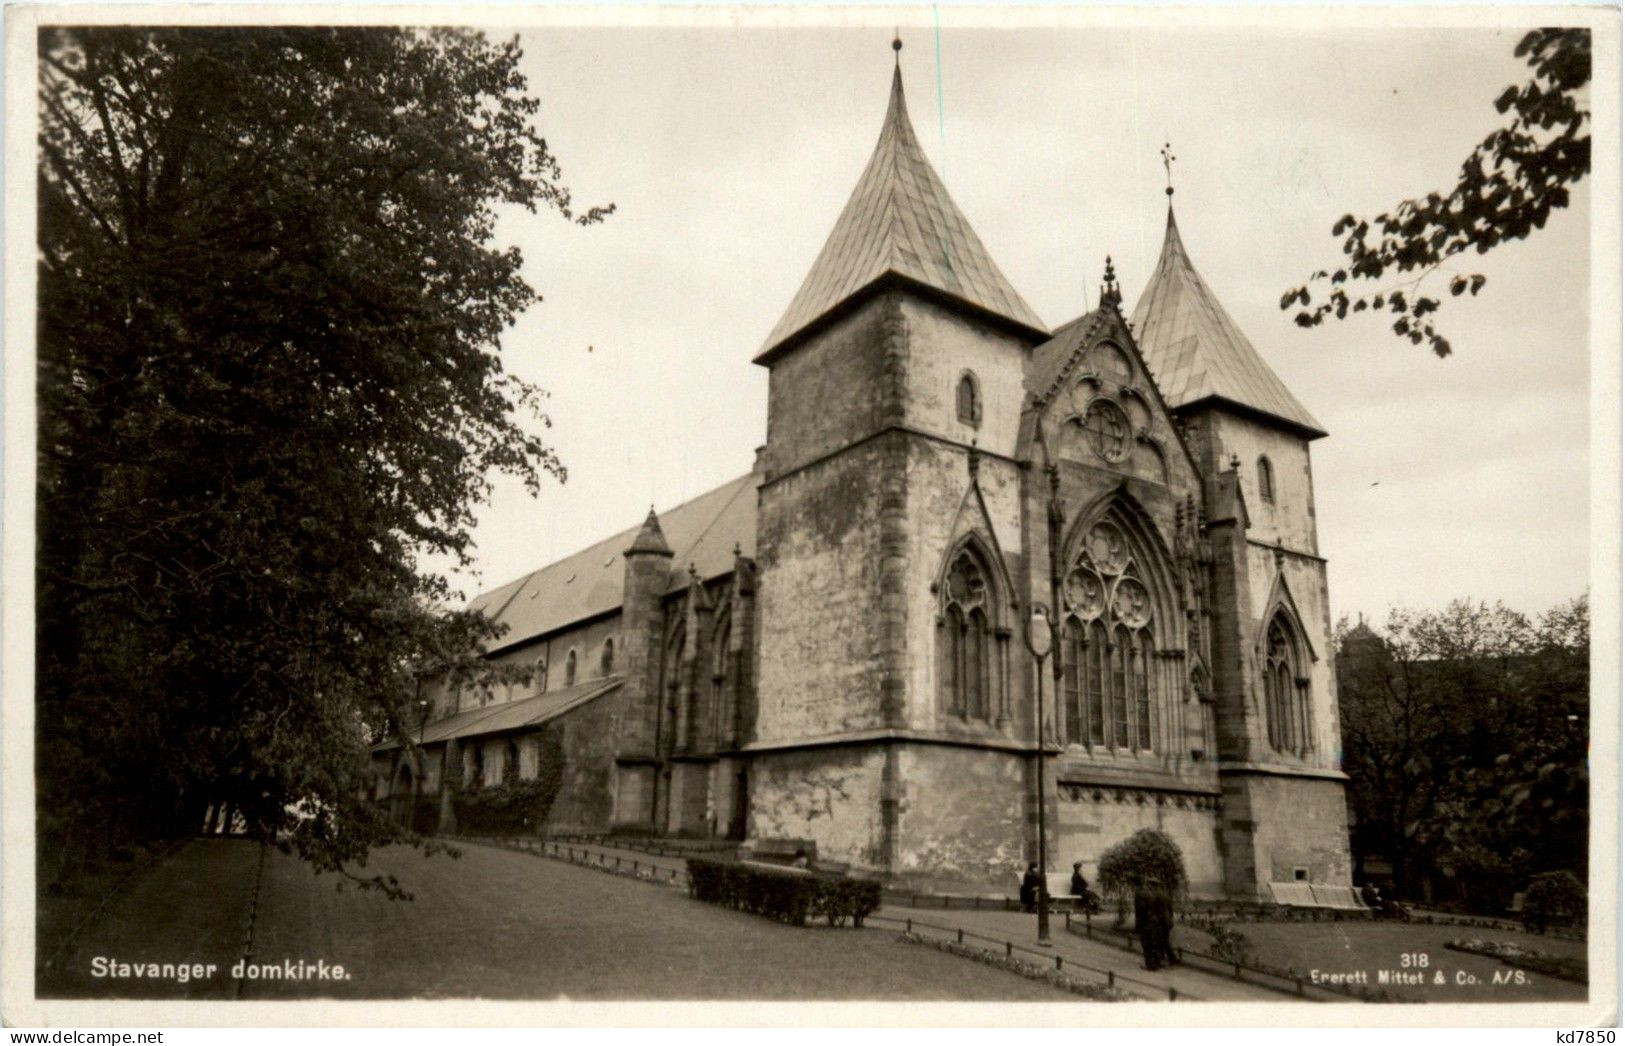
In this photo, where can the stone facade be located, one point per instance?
(832, 651)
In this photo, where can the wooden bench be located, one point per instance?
(1315, 896)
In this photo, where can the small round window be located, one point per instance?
(1107, 428)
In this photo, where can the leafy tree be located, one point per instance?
(1146, 860)
(269, 312)
(1464, 737)
(1508, 187)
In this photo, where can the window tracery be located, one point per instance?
(1107, 429)
(1286, 689)
(1109, 677)
(965, 671)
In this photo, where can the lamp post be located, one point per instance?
(1040, 638)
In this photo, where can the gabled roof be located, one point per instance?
(1197, 352)
(702, 531)
(900, 221)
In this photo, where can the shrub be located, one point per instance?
(787, 896)
(1229, 944)
(1554, 898)
(1146, 860)
(1568, 969)
(511, 808)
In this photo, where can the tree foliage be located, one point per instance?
(1508, 186)
(1465, 738)
(270, 305)
(1146, 860)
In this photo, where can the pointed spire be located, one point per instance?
(901, 222)
(651, 540)
(1197, 352)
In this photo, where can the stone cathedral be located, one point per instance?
(831, 650)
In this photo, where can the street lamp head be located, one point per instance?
(1039, 636)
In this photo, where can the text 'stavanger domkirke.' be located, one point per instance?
(829, 652)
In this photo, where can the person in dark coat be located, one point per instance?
(1154, 925)
(1080, 888)
(1029, 888)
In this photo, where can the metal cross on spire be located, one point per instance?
(1168, 159)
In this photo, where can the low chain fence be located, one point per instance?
(650, 872)
(1062, 964)
(1285, 981)
(630, 867)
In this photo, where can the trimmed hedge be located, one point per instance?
(788, 896)
(511, 808)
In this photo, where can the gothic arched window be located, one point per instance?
(1286, 689)
(964, 648)
(539, 674)
(1108, 668)
(1266, 478)
(968, 399)
(606, 657)
(719, 680)
(570, 668)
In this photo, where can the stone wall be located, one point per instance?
(822, 665)
(1295, 822)
(962, 813)
(1091, 819)
(586, 739)
(830, 795)
(831, 390)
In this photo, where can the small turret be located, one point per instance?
(651, 540)
(648, 576)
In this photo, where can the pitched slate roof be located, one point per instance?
(1197, 352)
(504, 716)
(702, 531)
(900, 220)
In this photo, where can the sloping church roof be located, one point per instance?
(900, 221)
(703, 531)
(1197, 352)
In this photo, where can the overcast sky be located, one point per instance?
(729, 153)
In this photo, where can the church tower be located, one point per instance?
(1283, 814)
(889, 511)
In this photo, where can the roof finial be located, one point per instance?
(897, 47)
(1109, 292)
(1168, 159)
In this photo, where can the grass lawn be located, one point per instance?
(1374, 946)
(495, 924)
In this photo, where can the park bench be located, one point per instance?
(1059, 887)
(780, 854)
(1316, 897)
